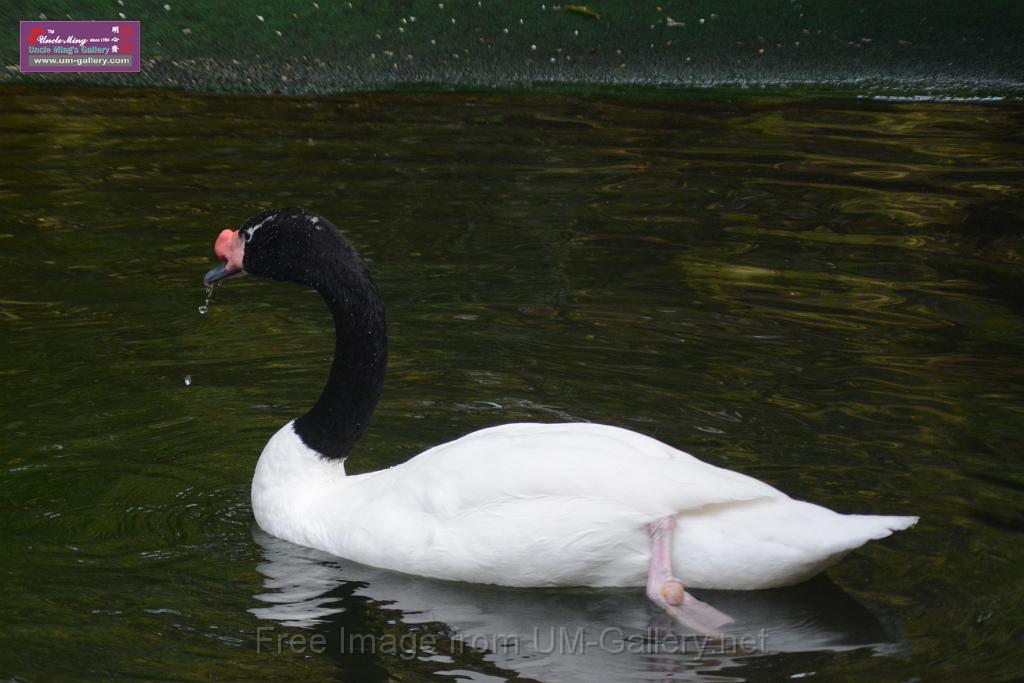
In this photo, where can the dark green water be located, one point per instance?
(827, 296)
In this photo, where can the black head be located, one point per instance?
(291, 245)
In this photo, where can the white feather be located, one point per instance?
(552, 505)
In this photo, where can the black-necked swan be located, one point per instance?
(524, 504)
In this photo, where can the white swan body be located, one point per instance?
(552, 505)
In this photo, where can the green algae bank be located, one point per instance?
(825, 294)
(911, 47)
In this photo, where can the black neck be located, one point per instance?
(342, 414)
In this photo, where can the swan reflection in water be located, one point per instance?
(376, 621)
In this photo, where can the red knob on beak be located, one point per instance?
(225, 240)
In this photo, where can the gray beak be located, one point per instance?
(221, 272)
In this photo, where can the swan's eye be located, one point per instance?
(247, 234)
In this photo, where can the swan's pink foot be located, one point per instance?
(667, 592)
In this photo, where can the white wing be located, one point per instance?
(571, 460)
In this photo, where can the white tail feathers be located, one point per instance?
(872, 527)
(900, 523)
